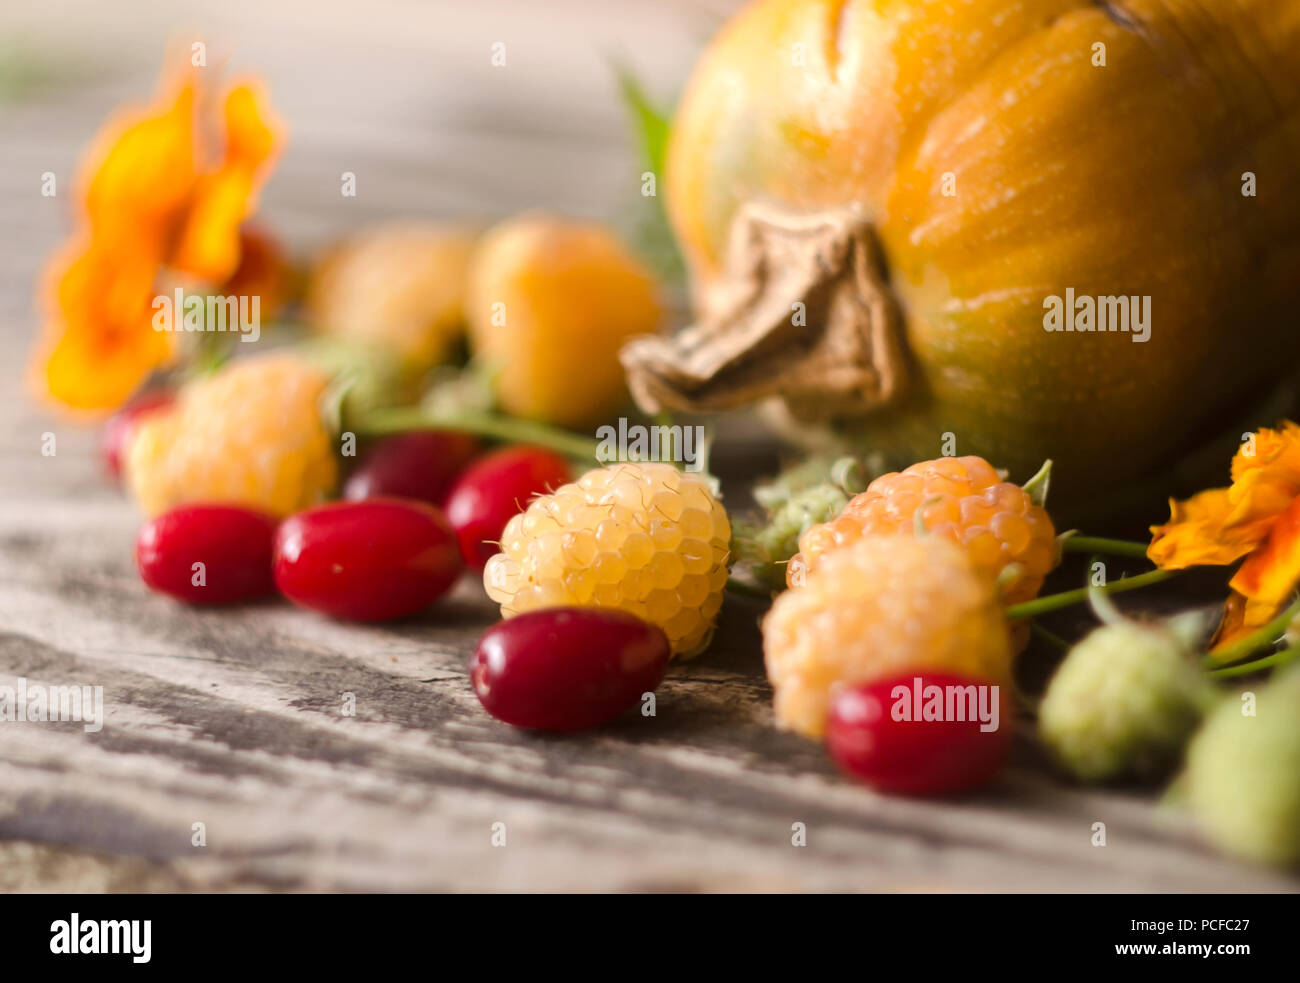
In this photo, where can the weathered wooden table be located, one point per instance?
(234, 719)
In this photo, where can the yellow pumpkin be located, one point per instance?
(934, 181)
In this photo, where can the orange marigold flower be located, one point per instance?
(157, 206)
(264, 270)
(1257, 517)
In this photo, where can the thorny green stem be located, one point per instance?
(1268, 662)
(490, 425)
(1256, 639)
(1053, 602)
(1096, 544)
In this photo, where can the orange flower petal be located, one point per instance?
(143, 171)
(1219, 526)
(208, 246)
(1277, 451)
(1201, 531)
(1270, 574)
(253, 133)
(1257, 499)
(99, 344)
(1242, 617)
(97, 370)
(1230, 623)
(94, 281)
(149, 205)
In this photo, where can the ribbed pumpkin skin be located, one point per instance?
(1123, 179)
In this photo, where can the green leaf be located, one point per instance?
(650, 233)
(649, 122)
(1037, 486)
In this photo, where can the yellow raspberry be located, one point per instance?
(642, 538)
(398, 287)
(961, 499)
(550, 303)
(251, 433)
(880, 607)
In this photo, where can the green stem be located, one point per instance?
(1248, 668)
(1102, 606)
(1053, 602)
(1049, 636)
(490, 425)
(1096, 544)
(1256, 639)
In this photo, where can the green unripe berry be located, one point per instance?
(1242, 780)
(1123, 702)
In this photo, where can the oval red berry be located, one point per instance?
(495, 489)
(208, 554)
(121, 425)
(421, 465)
(366, 561)
(563, 669)
(921, 734)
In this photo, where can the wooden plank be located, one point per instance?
(233, 719)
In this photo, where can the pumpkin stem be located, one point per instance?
(803, 311)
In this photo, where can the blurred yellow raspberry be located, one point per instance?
(251, 433)
(551, 301)
(961, 499)
(643, 538)
(399, 287)
(879, 607)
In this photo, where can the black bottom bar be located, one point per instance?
(936, 932)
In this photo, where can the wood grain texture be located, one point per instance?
(233, 718)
